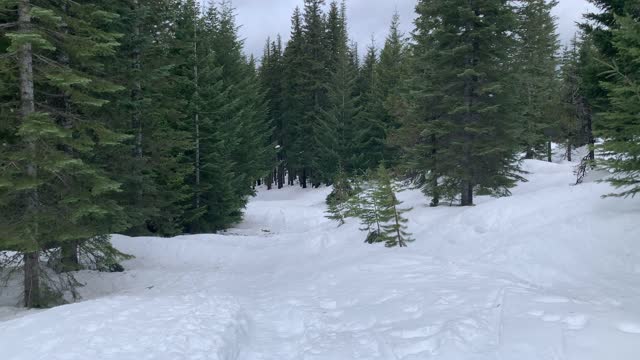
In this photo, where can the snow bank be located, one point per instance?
(196, 326)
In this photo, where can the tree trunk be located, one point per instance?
(469, 117)
(32, 293)
(434, 173)
(291, 175)
(69, 259)
(569, 150)
(549, 152)
(136, 93)
(197, 115)
(303, 179)
(281, 174)
(529, 155)
(592, 140)
(401, 242)
(467, 194)
(69, 250)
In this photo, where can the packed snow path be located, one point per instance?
(552, 272)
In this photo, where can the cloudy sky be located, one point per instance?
(262, 18)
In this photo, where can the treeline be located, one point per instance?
(453, 107)
(330, 108)
(137, 117)
(476, 88)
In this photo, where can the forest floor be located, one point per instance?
(552, 272)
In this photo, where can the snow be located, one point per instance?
(552, 272)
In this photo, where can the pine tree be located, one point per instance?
(462, 48)
(316, 63)
(272, 77)
(536, 83)
(294, 100)
(394, 231)
(415, 113)
(576, 115)
(599, 27)
(392, 72)
(152, 167)
(56, 193)
(620, 128)
(338, 201)
(338, 125)
(371, 130)
(378, 209)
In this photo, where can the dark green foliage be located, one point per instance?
(463, 123)
(153, 165)
(536, 84)
(272, 77)
(620, 127)
(344, 189)
(294, 100)
(53, 190)
(392, 72)
(611, 87)
(377, 207)
(236, 148)
(337, 136)
(154, 94)
(371, 129)
(575, 117)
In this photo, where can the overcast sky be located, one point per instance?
(260, 19)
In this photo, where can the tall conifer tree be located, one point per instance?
(51, 187)
(536, 82)
(463, 47)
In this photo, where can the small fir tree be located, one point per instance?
(379, 211)
(338, 199)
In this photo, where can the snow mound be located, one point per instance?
(197, 326)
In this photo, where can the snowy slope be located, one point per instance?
(552, 272)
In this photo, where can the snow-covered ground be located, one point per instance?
(552, 272)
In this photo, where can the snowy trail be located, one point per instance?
(552, 272)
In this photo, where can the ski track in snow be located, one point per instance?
(549, 273)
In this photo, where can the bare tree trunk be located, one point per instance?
(70, 258)
(467, 194)
(197, 117)
(291, 174)
(32, 294)
(549, 152)
(529, 154)
(466, 198)
(281, 174)
(435, 201)
(69, 249)
(136, 93)
(401, 242)
(569, 150)
(592, 140)
(467, 186)
(303, 179)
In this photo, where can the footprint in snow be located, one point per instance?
(551, 318)
(573, 322)
(328, 305)
(576, 322)
(552, 300)
(422, 332)
(629, 328)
